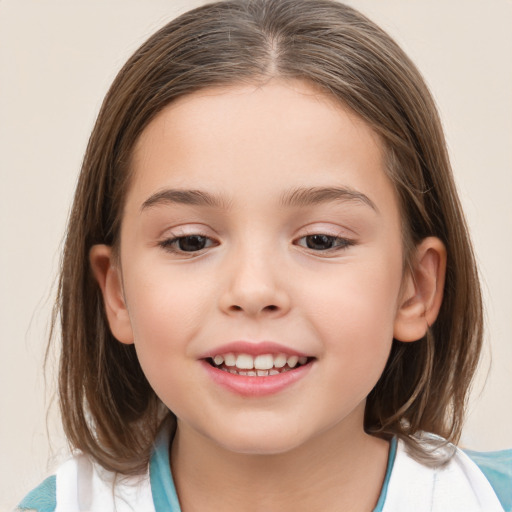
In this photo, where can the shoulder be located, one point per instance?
(80, 484)
(455, 483)
(497, 468)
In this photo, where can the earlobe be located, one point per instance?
(108, 276)
(422, 293)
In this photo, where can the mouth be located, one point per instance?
(261, 365)
(259, 369)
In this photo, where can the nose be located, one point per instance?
(255, 286)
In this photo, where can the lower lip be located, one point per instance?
(256, 386)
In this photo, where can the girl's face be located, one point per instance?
(260, 222)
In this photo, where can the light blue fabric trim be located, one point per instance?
(164, 494)
(389, 470)
(497, 467)
(43, 498)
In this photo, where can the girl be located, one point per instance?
(268, 296)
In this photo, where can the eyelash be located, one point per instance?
(172, 244)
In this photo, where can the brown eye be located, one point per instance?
(321, 242)
(191, 243)
(187, 244)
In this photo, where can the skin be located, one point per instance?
(256, 279)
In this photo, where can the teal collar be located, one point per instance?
(389, 470)
(164, 494)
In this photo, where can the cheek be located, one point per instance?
(355, 321)
(164, 317)
(355, 309)
(163, 301)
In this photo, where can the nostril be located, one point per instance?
(271, 307)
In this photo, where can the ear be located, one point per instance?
(422, 291)
(108, 276)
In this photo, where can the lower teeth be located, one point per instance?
(254, 373)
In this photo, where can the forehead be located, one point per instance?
(247, 138)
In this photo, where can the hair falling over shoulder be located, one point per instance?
(108, 408)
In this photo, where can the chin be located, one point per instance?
(262, 442)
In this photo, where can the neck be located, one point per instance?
(340, 469)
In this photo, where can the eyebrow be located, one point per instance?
(299, 197)
(189, 197)
(302, 197)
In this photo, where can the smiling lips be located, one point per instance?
(262, 365)
(256, 369)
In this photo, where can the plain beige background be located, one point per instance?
(57, 59)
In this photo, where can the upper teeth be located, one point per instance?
(260, 362)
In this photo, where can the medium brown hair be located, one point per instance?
(108, 407)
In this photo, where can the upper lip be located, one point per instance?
(253, 349)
